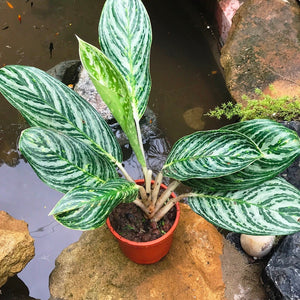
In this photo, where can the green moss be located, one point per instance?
(283, 108)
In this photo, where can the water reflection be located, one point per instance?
(11, 125)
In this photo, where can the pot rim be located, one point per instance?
(166, 235)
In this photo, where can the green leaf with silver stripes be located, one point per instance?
(271, 208)
(125, 37)
(210, 154)
(280, 147)
(113, 90)
(86, 208)
(64, 162)
(46, 102)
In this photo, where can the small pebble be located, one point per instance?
(257, 246)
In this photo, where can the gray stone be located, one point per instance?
(85, 88)
(283, 270)
(66, 71)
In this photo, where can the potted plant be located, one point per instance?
(232, 171)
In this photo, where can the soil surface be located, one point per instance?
(130, 222)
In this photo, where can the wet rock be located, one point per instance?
(193, 118)
(235, 239)
(282, 273)
(16, 246)
(263, 48)
(15, 289)
(66, 71)
(95, 268)
(292, 173)
(241, 275)
(225, 10)
(85, 88)
(257, 246)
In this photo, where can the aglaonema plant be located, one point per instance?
(233, 172)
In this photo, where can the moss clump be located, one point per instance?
(283, 108)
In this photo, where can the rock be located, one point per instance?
(292, 173)
(66, 71)
(257, 246)
(16, 246)
(85, 88)
(15, 289)
(193, 118)
(225, 10)
(95, 268)
(241, 277)
(283, 270)
(263, 48)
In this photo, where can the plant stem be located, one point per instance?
(165, 195)
(156, 187)
(148, 182)
(124, 172)
(169, 205)
(139, 133)
(141, 205)
(143, 194)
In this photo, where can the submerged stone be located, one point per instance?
(193, 118)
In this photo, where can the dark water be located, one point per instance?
(186, 78)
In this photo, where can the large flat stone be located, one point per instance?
(94, 267)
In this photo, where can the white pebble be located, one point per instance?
(257, 246)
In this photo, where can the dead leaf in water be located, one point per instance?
(9, 5)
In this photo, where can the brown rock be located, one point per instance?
(263, 48)
(16, 246)
(94, 267)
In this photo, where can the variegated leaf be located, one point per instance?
(125, 37)
(113, 90)
(271, 208)
(63, 162)
(86, 208)
(280, 147)
(46, 102)
(209, 154)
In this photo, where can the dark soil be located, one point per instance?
(129, 221)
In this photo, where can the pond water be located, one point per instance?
(187, 82)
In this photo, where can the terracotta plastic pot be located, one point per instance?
(147, 252)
